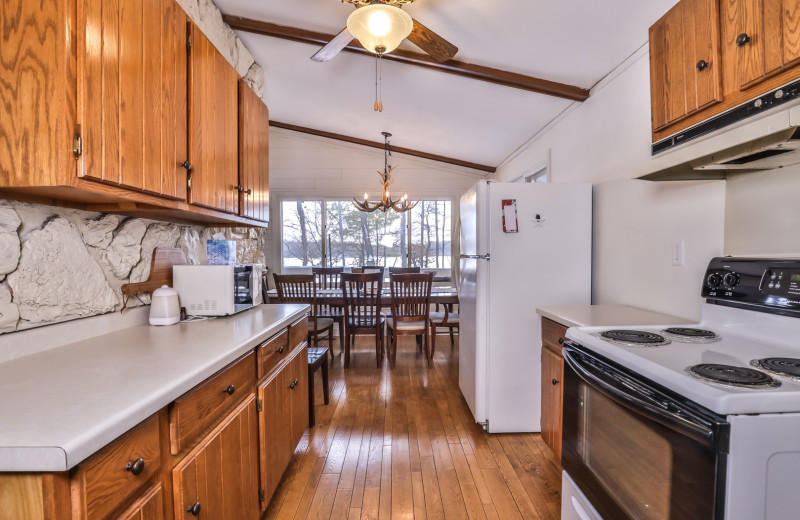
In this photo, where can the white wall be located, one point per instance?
(308, 167)
(605, 141)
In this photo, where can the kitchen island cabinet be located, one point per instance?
(152, 420)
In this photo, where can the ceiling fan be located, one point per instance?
(380, 26)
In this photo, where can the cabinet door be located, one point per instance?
(149, 507)
(213, 127)
(762, 38)
(297, 377)
(219, 478)
(132, 94)
(684, 61)
(552, 375)
(253, 154)
(275, 453)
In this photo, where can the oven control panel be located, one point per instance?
(770, 285)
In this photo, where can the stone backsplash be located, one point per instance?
(60, 264)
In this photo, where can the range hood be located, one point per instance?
(761, 134)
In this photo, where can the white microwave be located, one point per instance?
(217, 290)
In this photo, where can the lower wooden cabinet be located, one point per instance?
(553, 336)
(284, 398)
(218, 479)
(149, 507)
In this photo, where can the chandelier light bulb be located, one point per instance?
(365, 196)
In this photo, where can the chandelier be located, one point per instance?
(386, 203)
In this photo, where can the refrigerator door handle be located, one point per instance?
(476, 257)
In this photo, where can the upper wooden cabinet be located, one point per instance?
(253, 154)
(684, 61)
(213, 127)
(761, 38)
(708, 56)
(132, 94)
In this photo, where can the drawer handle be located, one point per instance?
(293, 384)
(554, 381)
(229, 389)
(280, 350)
(742, 40)
(136, 467)
(194, 509)
(701, 65)
(560, 341)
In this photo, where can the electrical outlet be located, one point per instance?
(678, 253)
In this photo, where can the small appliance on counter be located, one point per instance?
(164, 308)
(217, 290)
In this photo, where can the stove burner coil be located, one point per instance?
(789, 367)
(730, 375)
(689, 335)
(635, 337)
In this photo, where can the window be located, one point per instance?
(333, 233)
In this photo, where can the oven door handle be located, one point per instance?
(626, 396)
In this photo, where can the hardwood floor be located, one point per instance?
(400, 443)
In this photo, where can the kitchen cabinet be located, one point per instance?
(213, 127)
(283, 392)
(761, 38)
(685, 72)
(132, 94)
(218, 479)
(79, 128)
(149, 507)
(754, 47)
(253, 154)
(553, 337)
(109, 478)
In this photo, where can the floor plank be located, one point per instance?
(400, 443)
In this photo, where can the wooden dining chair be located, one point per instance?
(362, 311)
(300, 288)
(411, 302)
(446, 319)
(330, 279)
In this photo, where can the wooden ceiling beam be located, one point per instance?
(467, 70)
(381, 144)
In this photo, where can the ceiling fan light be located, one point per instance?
(379, 26)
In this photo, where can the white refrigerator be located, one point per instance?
(504, 276)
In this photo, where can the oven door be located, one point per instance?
(637, 451)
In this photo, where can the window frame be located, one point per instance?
(324, 215)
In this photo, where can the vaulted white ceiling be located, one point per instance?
(575, 42)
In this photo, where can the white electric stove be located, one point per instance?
(721, 397)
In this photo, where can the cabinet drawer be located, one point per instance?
(197, 410)
(272, 352)
(553, 334)
(298, 333)
(113, 474)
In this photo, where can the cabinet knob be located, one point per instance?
(280, 350)
(293, 384)
(560, 341)
(742, 39)
(136, 467)
(701, 65)
(241, 189)
(194, 509)
(186, 164)
(229, 389)
(554, 381)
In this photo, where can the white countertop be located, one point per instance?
(59, 406)
(607, 315)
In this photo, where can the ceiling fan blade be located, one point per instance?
(440, 49)
(333, 47)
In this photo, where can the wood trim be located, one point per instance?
(468, 70)
(376, 144)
